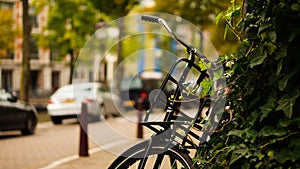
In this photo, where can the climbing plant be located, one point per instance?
(261, 126)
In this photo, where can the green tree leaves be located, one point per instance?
(68, 29)
(7, 33)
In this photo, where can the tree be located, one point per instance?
(261, 125)
(25, 73)
(7, 34)
(201, 13)
(198, 12)
(69, 25)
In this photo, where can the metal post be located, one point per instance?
(83, 145)
(140, 116)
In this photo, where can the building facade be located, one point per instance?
(47, 74)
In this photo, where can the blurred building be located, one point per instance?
(47, 74)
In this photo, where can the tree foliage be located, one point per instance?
(201, 13)
(7, 34)
(70, 23)
(114, 8)
(262, 121)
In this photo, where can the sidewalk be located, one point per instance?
(98, 160)
(101, 158)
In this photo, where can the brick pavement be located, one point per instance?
(34, 151)
(53, 143)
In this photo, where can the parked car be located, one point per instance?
(16, 115)
(141, 86)
(66, 101)
(136, 87)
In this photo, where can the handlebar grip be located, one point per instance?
(149, 18)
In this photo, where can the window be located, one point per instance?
(55, 80)
(33, 49)
(34, 79)
(103, 89)
(33, 18)
(6, 80)
(6, 5)
(54, 53)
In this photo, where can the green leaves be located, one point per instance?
(258, 57)
(264, 98)
(287, 102)
(233, 11)
(70, 28)
(268, 107)
(269, 130)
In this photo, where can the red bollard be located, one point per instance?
(83, 144)
(140, 116)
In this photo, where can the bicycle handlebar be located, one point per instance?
(158, 20)
(149, 18)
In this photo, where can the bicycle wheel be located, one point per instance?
(158, 157)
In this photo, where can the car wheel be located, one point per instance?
(102, 112)
(56, 120)
(30, 127)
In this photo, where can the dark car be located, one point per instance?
(16, 115)
(134, 88)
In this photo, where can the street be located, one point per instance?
(52, 143)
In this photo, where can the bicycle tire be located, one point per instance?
(171, 158)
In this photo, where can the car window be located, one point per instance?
(103, 89)
(66, 89)
(87, 89)
(131, 83)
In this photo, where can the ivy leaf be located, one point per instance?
(271, 47)
(283, 82)
(296, 147)
(283, 122)
(282, 52)
(236, 13)
(258, 57)
(204, 66)
(237, 133)
(268, 107)
(264, 27)
(272, 36)
(284, 155)
(279, 67)
(218, 18)
(271, 131)
(218, 74)
(286, 104)
(240, 151)
(226, 30)
(229, 12)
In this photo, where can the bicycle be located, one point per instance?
(180, 132)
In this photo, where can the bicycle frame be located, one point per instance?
(174, 116)
(177, 131)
